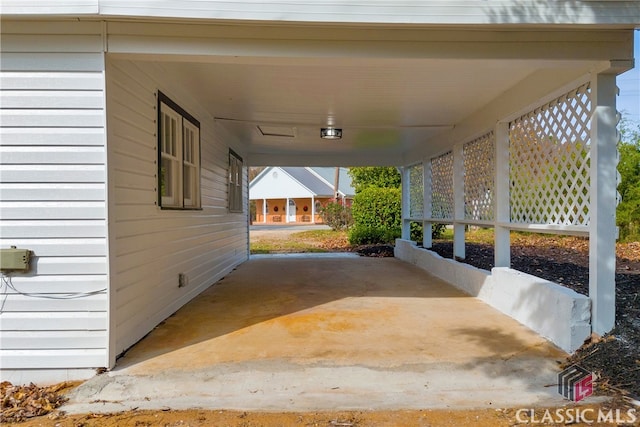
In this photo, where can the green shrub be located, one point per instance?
(336, 216)
(376, 207)
(437, 230)
(363, 235)
(417, 232)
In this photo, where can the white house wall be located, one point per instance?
(152, 246)
(52, 184)
(281, 186)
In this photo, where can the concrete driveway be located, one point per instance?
(329, 332)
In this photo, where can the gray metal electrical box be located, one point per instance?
(14, 259)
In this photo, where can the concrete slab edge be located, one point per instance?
(559, 314)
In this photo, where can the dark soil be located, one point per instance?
(379, 251)
(615, 358)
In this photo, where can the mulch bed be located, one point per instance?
(615, 358)
(379, 251)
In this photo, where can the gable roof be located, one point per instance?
(307, 178)
(318, 182)
(345, 186)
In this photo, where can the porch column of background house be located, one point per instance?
(264, 211)
(313, 209)
(286, 211)
(602, 226)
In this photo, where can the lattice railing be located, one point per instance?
(549, 167)
(442, 186)
(479, 178)
(416, 191)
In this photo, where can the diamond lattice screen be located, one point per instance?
(442, 186)
(416, 191)
(549, 162)
(479, 171)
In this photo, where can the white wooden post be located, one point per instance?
(458, 202)
(427, 227)
(286, 211)
(502, 238)
(602, 226)
(313, 209)
(264, 211)
(406, 224)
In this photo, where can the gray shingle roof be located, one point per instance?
(309, 180)
(328, 173)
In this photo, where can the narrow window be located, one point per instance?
(179, 156)
(235, 182)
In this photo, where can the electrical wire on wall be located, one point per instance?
(7, 284)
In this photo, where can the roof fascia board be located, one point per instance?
(442, 12)
(163, 41)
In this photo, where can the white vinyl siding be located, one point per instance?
(53, 197)
(153, 245)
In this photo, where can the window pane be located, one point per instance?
(165, 133)
(166, 177)
(179, 166)
(173, 137)
(188, 182)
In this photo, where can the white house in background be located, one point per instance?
(126, 128)
(296, 194)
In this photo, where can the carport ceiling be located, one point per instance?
(397, 93)
(384, 106)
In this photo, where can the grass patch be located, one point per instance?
(316, 241)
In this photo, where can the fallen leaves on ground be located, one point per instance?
(21, 402)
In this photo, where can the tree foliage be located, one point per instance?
(628, 211)
(381, 177)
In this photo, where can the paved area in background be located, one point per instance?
(293, 333)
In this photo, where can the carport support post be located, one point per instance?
(502, 242)
(406, 212)
(458, 202)
(427, 227)
(602, 226)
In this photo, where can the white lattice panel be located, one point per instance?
(442, 186)
(416, 191)
(479, 182)
(549, 167)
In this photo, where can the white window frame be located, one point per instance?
(178, 156)
(235, 183)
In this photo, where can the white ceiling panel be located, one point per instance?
(381, 104)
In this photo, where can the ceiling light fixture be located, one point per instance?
(330, 133)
